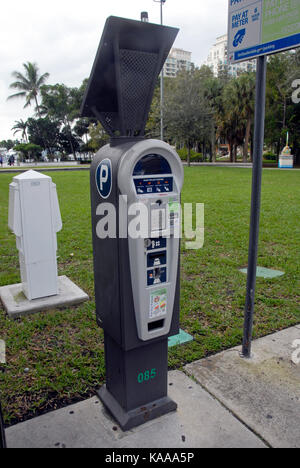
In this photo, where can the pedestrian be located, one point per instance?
(1, 160)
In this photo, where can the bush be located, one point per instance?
(270, 157)
(195, 157)
(182, 153)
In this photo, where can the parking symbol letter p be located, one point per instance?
(103, 176)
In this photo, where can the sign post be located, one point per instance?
(257, 28)
(259, 132)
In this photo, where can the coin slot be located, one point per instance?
(156, 325)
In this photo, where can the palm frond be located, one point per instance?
(28, 84)
(17, 95)
(43, 79)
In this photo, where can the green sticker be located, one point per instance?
(158, 303)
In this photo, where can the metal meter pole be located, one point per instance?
(256, 201)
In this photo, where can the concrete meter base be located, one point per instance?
(136, 383)
(17, 305)
(130, 419)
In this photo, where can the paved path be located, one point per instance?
(226, 402)
(50, 169)
(200, 421)
(263, 392)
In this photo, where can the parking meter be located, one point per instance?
(135, 198)
(34, 217)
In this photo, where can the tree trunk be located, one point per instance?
(189, 156)
(39, 114)
(37, 107)
(231, 153)
(213, 145)
(251, 150)
(70, 139)
(247, 138)
(284, 113)
(234, 153)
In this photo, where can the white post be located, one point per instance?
(34, 217)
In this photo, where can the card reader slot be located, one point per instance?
(156, 325)
(157, 259)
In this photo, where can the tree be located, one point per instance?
(29, 150)
(62, 104)
(8, 144)
(245, 93)
(45, 133)
(236, 113)
(213, 92)
(21, 126)
(154, 118)
(281, 112)
(98, 137)
(81, 127)
(29, 84)
(68, 143)
(187, 114)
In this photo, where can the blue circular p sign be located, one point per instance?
(104, 178)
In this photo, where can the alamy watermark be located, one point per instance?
(142, 220)
(296, 93)
(2, 352)
(296, 353)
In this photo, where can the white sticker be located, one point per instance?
(158, 304)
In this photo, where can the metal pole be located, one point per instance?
(260, 102)
(2, 433)
(161, 85)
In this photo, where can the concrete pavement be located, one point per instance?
(224, 401)
(200, 421)
(263, 392)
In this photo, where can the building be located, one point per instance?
(217, 59)
(177, 60)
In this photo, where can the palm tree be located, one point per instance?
(238, 109)
(245, 90)
(21, 126)
(28, 84)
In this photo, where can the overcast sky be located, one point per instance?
(62, 37)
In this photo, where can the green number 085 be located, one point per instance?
(147, 375)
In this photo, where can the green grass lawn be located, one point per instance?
(63, 349)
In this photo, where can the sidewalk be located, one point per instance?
(230, 402)
(263, 392)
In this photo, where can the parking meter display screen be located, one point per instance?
(146, 175)
(152, 164)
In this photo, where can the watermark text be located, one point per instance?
(296, 93)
